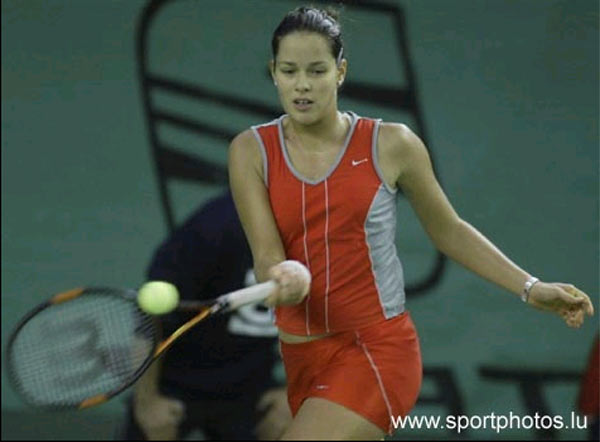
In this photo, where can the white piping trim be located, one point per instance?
(336, 163)
(326, 257)
(378, 376)
(375, 156)
(263, 152)
(306, 312)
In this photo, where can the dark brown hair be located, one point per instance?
(308, 18)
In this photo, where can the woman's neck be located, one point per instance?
(328, 130)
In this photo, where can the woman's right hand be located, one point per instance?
(158, 416)
(293, 283)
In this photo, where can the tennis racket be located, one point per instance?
(84, 346)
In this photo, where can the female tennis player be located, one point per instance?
(319, 186)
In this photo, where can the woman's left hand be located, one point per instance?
(570, 303)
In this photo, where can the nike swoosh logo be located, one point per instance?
(356, 163)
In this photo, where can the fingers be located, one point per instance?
(576, 296)
(583, 298)
(277, 415)
(289, 274)
(570, 303)
(578, 305)
(272, 396)
(164, 433)
(265, 401)
(573, 318)
(282, 295)
(275, 273)
(177, 410)
(293, 283)
(272, 299)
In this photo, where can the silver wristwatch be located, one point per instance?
(527, 288)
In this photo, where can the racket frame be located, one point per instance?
(206, 309)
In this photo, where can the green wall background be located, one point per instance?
(510, 94)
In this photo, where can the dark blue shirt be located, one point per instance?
(228, 355)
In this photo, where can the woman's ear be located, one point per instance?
(342, 69)
(272, 70)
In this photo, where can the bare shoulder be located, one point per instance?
(245, 150)
(244, 143)
(398, 139)
(400, 149)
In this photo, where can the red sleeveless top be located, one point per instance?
(342, 227)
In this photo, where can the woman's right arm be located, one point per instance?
(254, 209)
(252, 203)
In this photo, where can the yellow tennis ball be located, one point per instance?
(158, 297)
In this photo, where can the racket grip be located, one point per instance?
(248, 295)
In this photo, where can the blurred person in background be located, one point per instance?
(218, 378)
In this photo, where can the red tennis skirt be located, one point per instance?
(375, 371)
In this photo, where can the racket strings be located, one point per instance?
(71, 351)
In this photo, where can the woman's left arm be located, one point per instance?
(458, 239)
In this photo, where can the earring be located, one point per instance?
(275, 83)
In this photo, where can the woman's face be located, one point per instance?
(307, 77)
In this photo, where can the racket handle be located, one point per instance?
(248, 295)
